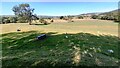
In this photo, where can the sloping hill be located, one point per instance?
(114, 12)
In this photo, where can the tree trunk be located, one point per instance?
(30, 22)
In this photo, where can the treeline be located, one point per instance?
(5, 20)
(71, 17)
(115, 18)
(9, 19)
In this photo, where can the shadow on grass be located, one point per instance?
(81, 49)
(41, 24)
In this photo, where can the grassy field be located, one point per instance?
(22, 49)
(89, 26)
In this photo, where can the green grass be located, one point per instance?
(21, 49)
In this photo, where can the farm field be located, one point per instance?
(89, 26)
(87, 43)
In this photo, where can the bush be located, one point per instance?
(0, 20)
(61, 17)
(80, 17)
(72, 21)
(22, 20)
(94, 17)
(51, 21)
(110, 17)
(13, 19)
(104, 17)
(116, 21)
(43, 21)
(49, 18)
(5, 20)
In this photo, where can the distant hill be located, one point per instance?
(42, 16)
(114, 12)
(7, 15)
(97, 13)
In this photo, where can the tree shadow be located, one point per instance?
(41, 24)
(81, 49)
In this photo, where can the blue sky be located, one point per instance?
(62, 8)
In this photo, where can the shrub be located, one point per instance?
(72, 21)
(94, 17)
(104, 17)
(61, 17)
(0, 20)
(22, 20)
(51, 21)
(80, 17)
(43, 21)
(13, 19)
(49, 18)
(5, 20)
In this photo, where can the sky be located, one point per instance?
(59, 0)
(61, 8)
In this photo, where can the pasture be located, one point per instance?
(87, 44)
(89, 26)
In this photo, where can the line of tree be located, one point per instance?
(5, 20)
(80, 17)
(115, 18)
(23, 14)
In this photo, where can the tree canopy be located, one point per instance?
(23, 12)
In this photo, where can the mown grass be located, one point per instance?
(22, 49)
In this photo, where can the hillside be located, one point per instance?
(114, 12)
